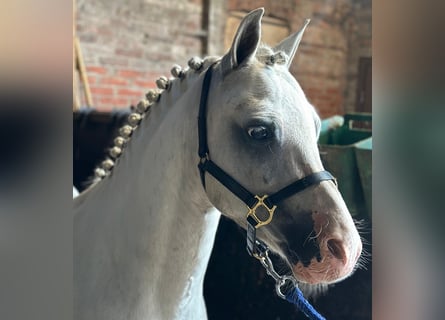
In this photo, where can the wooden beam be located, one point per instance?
(83, 73)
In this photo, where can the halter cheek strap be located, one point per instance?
(253, 202)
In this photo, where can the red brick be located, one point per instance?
(114, 81)
(130, 73)
(129, 92)
(101, 90)
(145, 84)
(96, 69)
(333, 91)
(115, 102)
(104, 108)
(92, 80)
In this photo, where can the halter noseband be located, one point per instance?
(255, 247)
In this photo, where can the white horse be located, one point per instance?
(144, 231)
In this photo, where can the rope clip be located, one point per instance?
(262, 255)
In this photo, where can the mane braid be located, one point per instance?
(142, 110)
(266, 55)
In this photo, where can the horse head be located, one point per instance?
(263, 132)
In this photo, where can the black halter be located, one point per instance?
(253, 202)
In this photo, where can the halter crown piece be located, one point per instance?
(255, 247)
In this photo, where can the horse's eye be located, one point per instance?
(259, 132)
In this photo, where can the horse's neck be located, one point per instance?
(142, 237)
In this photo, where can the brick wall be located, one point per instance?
(127, 45)
(358, 27)
(321, 61)
(326, 64)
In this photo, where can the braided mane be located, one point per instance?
(195, 66)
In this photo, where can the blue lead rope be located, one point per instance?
(296, 297)
(259, 250)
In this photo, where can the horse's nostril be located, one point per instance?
(336, 248)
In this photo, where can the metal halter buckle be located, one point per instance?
(260, 203)
(205, 158)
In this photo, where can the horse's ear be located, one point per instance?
(290, 44)
(246, 41)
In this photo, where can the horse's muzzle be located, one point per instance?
(338, 260)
